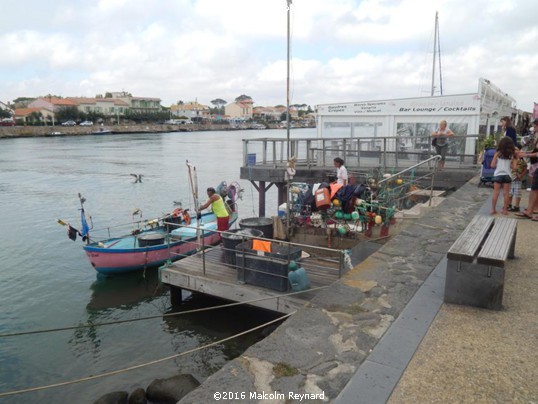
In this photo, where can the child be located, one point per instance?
(515, 191)
(504, 161)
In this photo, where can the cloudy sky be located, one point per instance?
(342, 50)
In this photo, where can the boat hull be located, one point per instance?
(113, 256)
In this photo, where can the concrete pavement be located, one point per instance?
(478, 355)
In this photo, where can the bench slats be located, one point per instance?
(467, 244)
(499, 243)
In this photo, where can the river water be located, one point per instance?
(47, 282)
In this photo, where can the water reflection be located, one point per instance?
(126, 291)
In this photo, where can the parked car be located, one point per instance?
(86, 123)
(69, 123)
(7, 122)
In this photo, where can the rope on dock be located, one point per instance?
(127, 369)
(89, 325)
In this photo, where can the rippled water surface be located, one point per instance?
(47, 282)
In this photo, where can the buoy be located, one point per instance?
(399, 181)
(355, 215)
(339, 214)
(336, 202)
(378, 219)
(342, 230)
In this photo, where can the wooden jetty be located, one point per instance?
(207, 272)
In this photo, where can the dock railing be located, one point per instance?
(385, 152)
(270, 269)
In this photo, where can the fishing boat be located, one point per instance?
(155, 242)
(164, 240)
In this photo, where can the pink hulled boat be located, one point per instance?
(168, 239)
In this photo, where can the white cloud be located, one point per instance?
(343, 50)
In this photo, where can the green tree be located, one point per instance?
(4, 113)
(35, 118)
(68, 114)
(243, 97)
(219, 104)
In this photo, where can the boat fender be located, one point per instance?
(177, 212)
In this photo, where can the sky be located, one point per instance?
(200, 50)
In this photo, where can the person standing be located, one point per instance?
(517, 178)
(504, 162)
(341, 171)
(533, 176)
(441, 136)
(218, 207)
(509, 130)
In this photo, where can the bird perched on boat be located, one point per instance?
(138, 177)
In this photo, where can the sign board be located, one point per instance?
(466, 104)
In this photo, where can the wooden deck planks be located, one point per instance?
(220, 279)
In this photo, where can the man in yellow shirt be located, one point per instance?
(218, 207)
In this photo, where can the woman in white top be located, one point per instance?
(341, 171)
(504, 161)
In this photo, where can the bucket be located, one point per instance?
(150, 239)
(265, 224)
(231, 238)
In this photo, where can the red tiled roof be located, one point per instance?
(59, 101)
(26, 111)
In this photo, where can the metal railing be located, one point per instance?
(385, 152)
(323, 265)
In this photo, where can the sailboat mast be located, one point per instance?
(439, 51)
(434, 52)
(288, 85)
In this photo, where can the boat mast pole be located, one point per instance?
(288, 229)
(439, 51)
(288, 84)
(434, 54)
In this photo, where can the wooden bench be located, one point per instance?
(476, 262)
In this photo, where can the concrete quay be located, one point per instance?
(354, 340)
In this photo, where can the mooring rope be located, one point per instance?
(89, 325)
(127, 369)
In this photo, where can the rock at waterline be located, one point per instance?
(116, 397)
(171, 390)
(138, 396)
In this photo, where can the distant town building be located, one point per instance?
(192, 110)
(240, 110)
(27, 115)
(105, 106)
(139, 104)
(268, 113)
(52, 103)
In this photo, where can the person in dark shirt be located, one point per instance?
(509, 130)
